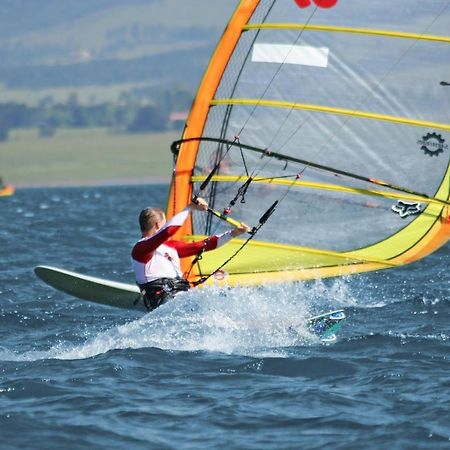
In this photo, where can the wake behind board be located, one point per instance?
(127, 296)
(327, 325)
(97, 290)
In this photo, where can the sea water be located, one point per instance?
(214, 368)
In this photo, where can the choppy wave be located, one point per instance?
(207, 367)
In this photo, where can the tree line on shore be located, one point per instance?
(129, 113)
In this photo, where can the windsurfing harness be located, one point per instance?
(160, 291)
(156, 257)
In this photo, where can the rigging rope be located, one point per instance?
(239, 195)
(255, 230)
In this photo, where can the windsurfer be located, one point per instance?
(156, 259)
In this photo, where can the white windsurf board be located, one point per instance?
(97, 290)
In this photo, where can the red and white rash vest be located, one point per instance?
(155, 256)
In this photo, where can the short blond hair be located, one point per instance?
(149, 217)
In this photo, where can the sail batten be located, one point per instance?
(331, 110)
(351, 258)
(337, 29)
(322, 186)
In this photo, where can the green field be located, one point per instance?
(85, 156)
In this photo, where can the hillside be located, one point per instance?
(82, 43)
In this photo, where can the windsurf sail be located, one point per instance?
(335, 114)
(7, 190)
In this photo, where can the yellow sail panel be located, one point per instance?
(273, 260)
(425, 234)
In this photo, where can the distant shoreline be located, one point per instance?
(93, 182)
(86, 157)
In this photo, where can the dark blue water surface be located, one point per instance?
(213, 368)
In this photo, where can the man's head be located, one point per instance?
(151, 220)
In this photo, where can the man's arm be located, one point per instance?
(185, 249)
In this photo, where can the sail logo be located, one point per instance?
(405, 209)
(432, 144)
(319, 3)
